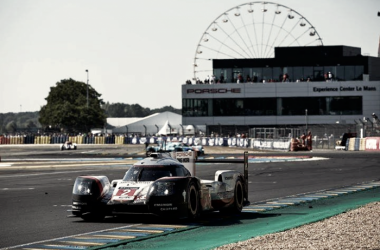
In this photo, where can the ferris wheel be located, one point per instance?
(252, 30)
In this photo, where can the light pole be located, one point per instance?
(306, 119)
(87, 87)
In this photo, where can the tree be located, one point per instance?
(67, 110)
(134, 110)
(11, 127)
(30, 125)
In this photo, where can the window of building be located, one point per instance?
(260, 106)
(359, 70)
(308, 72)
(318, 74)
(223, 75)
(346, 105)
(195, 107)
(247, 74)
(339, 73)
(257, 74)
(298, 74)
(289, 71)
(277, 74)
(287, 106)
(349, 73)
(267, 74)
(298, 106)
(228, 107)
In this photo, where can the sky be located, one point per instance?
(137, 52)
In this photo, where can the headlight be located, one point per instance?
(162, 188)
(85, 186)
(83, 189)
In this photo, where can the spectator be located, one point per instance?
(212, 79)
(309, 141)
(285, 78)
(222, 78)
(239, 78)
(249, 79)
(207, 80)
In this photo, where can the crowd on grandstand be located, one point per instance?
(328, 77)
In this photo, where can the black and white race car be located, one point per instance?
(162, 186)
(68, 145)
(174, 146)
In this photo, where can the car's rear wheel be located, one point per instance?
(239, 196)
(237, 206)
(193, 201)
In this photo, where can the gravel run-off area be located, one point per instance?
(355, 229)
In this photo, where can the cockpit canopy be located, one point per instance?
(152, 173)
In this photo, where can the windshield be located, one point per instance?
(152, 173)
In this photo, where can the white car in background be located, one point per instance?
(68, 145)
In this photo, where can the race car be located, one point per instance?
(68, 145)
(174, 146)
(161, 186)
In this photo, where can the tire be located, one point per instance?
(237, 206)
(193, 209)
(238, 197)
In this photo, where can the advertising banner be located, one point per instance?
(372, 144)
(271, 144)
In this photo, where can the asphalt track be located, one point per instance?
(215, 233)
(35, 194)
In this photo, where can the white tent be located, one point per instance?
(146, 125)
(189, 130)
(165, 130)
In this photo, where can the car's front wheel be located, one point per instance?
(193, 210)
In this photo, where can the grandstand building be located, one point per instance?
(300, 85)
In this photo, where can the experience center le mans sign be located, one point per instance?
(357, 88)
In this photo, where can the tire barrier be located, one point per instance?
(119, 140)
(356, 144)
(362, 144)
(353, 144)
(42, 140)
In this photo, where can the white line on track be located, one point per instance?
(86, 152)
(67, 160)
(5, 165)
(76, 235)
(11, 189)
(38, 174)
